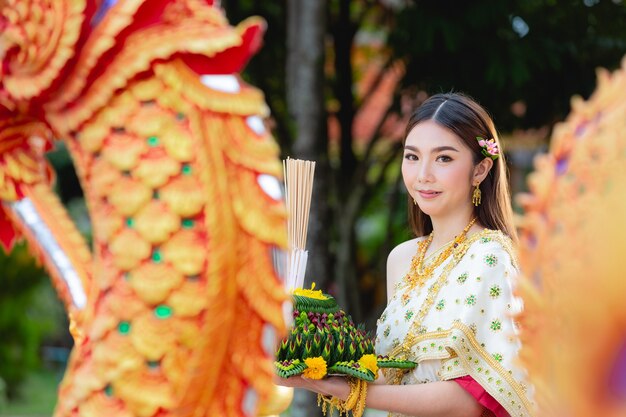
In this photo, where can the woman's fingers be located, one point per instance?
(294, 381)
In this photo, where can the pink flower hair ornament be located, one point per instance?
(490, 147)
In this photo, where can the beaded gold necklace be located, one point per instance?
(419, 272)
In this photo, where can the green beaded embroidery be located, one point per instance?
(495, 325)
(495, 291)
(408, 315)
(491, 260)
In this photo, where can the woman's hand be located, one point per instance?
(334, 386)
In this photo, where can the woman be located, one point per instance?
(450, 301)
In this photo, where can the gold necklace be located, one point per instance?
(419, 273)
(428, 258)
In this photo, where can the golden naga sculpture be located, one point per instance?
(574, 324)
(175, 308)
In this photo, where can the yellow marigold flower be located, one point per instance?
(312, 293)
(369, 362)
(316, 368)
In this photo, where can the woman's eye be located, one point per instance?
(410, 157)
(444, 158)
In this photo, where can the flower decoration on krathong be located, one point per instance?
(369, 362)
(489, 147)
(316, 368)
(310, 293)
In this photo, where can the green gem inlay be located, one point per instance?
(130, 222)
(153, 141)
(163, 311)
(186, 169)
(156, 256)
(180, 116)
(187, 223)
(153, 364)
(123, 327)
(155, 195)
(108, 390)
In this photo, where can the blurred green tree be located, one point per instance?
(538, 53)
(28, 314)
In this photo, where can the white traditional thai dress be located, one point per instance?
(460, 322)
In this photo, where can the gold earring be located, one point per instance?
(476, 195)
(415, 202)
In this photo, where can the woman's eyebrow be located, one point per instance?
(437, 149)
(445, 148)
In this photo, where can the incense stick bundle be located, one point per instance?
(298, 190)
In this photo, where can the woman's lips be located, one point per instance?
(427, 195)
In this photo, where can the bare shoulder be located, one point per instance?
(399, 262)
(403, 249)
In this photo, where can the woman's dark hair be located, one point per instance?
(467, 119)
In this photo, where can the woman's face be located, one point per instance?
(437, 168)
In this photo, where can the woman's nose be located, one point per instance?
(424, 173)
